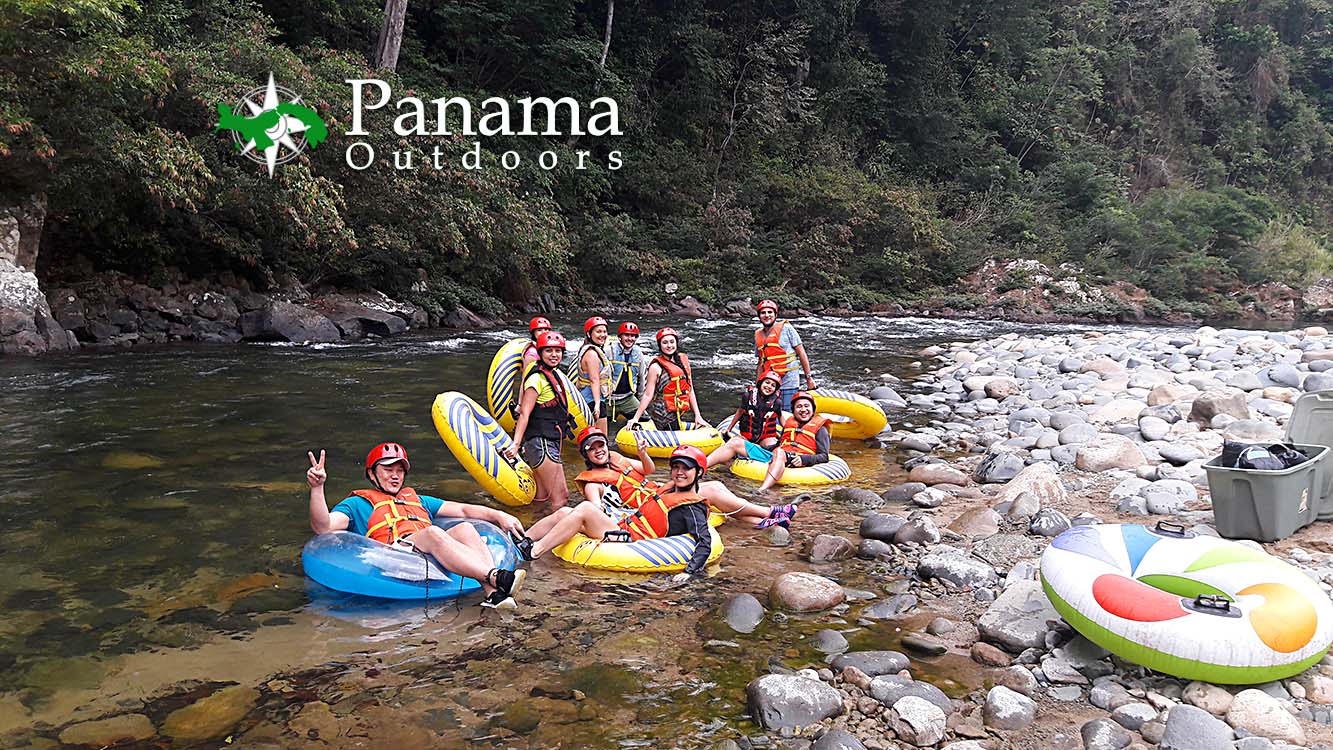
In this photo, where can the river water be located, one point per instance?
(155, 507)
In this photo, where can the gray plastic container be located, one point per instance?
(1270, 505)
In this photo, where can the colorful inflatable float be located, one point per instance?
(478, 443)
(504, 385)
(661, 442)
(666, 555)
(1192, 606)
(834, 471)
(851, 415)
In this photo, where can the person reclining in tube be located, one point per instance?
(805, 440)
(679, 509)
(590, 372)
(626, 371)
(614, 481)
(394, 514)
(669, 387)
(757, 423)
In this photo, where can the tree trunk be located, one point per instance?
(606, 38)
(391, 35)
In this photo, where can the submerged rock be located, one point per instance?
(743, 613)
(210, 717)
(805, 592)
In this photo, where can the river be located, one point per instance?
(155, 509)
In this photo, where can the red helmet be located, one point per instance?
(664, 332)
(592, 323)
(807, 395)
(538, 323)
(769, 375)
(588, 433)
(690, 455)
(550, 340)
(628, 327)
(770, 304)
(387, 453)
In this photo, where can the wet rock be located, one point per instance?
(1210, 403)
(984, 653)
(316, 721)
(210, 717)
(786, 701)
(903, 492)
(1019, 618)
(356, 320)
(1007, 710)
(1212, 698)
(922, 644)
(836, 739)
(873, 549)
(873, 663)
(1048, 522)
(284, 321)
(956, 566)
(997, 468)
(940, 626)
(917, 530)
(778, 536)
(881, 526)
(890, 688)
(742, 613)
(829, 642)
(1104, 734)
(1260, 713)
(110, 731)
(830, 548)
(918, 721)
(891, 607)
(937, 473)
(1109, 451)
(805, 592)
(1131, 716)
(858, 498)
(1191, 728)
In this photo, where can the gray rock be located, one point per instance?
(857, 498)
(1217, 401)
(892, 607)
(788, 701)
(1319, 381)
(1109, 696)
(1168, 496)
(1007, 710)
(996, 468)
(881, 526)
(930, 498)
(284, 321)
(1070, 364)
(918, 530)
(1104, 734)
(1166, 412)
(1191, 728)
(890, 688)
(1048, 522)
(1131, 716)
(1019, 619)
(805, 592)
(1065, 454)
(918, 721)
(836, 739)
(1023, 507)
(1283, 375)
(1253, 431)
(1066, 693)
(872, 549)
(1079, 432)
(829, 642)
(830, 548)
(1179, 454)
(742, 613)
(957, 567)
(873, 663)
(885, 393)
(1154, 428)
(1260, 713)
(903, 492)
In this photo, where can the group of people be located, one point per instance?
(622, 503)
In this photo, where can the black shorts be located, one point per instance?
(538, 449)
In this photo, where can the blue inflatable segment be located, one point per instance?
(356, 564)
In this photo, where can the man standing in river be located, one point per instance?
(779, 347)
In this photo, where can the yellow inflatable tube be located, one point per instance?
(852, 416)
(666, 555)
(504, 386)
(477, 441)
(836, 470)
(661, 442)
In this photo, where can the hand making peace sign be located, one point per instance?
(316, 475)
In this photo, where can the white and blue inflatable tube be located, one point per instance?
(356, 564)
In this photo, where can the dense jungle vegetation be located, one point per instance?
(852, 151)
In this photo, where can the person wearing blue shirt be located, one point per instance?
(779, 348)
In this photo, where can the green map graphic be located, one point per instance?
(255, 128)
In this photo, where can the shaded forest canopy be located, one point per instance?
(819, 152)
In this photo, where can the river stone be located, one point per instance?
(872, 549)
(892, 607)
(937, 473)
(954, 565)
(858, 498)
(903, 492)
(1282, 375)
(988, 655)
(1109, 451)
(1019, 619)
(923, 644)
(787, 701)
(890, 688)
(1214, 699)
(805, 592)
(1065, 455)
(1048, 522)
(918, 721)
(111, 731)
(1318, 381)
(778, 536)
(873, 663)
(1170, 393)
(881, 526)
(1191, 728)
(1001, 388)
(1131, 716)
(1007, 710)
(1167, 413)
(829, 642)
(1179, 454)
(1104, 734)
(1077, 433)
(976, 523)
(285, 321)
(210, 717)
(743, 613)
(920, 530)
(830, 548)
(885, 393)
(1023, 508)
(1168, 496)
(996, 468)
(1039, 480)
(1211, 403)
(1117, 411)
(1253, 431)
(1154, 428)
(836, 739)
(1259, 713)
(930, 497)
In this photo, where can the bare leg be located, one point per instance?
(584, 517)
(467, 534)
(725, 501)
(776, 468)
(455, 556)
(727, 451)
(551, 482)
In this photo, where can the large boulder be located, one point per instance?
(805, 592)
(1020, 618)
(26, 323)
(355, 319)
(1109, 451)
(1215, 401)
(787, 701)
(285, 321)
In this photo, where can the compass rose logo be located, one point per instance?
(271, 126)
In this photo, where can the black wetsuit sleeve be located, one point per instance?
(692, 519)
(821, 449)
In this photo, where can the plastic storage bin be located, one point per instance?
(1271, 505)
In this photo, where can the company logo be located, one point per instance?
(270, 125)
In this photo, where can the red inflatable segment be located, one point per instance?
(1129, 599)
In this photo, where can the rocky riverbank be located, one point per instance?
(1022, 438)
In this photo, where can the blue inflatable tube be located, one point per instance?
(356, 564)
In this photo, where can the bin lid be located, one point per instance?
(1311, 420)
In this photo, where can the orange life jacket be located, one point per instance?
(801, 438)
(650, 520)
(394, 517)
(635, 489)
(676, 391)
(771, 354)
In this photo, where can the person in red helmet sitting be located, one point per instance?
(625, 364)
(779, 348)
(679, 509)
(536, 327)
(757, 423)
(805, 440)
(669, 387)
(543, 421)
(395, 514)
(589, 369)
